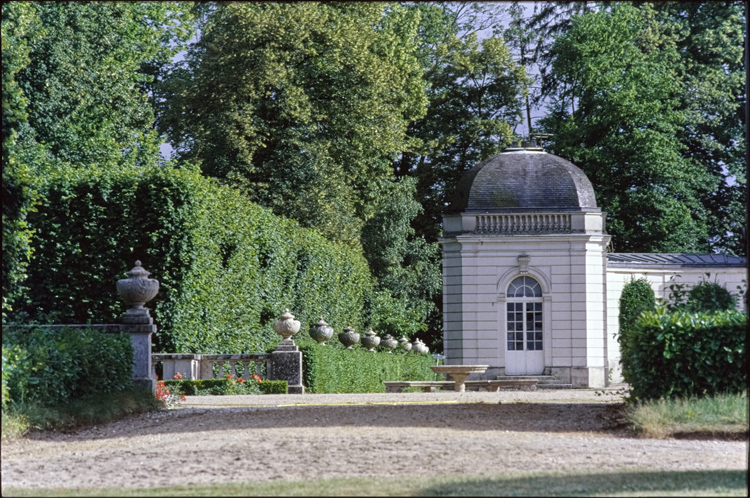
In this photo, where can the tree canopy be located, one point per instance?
(302, 105)
(630, 109)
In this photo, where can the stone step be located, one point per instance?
(541, 378)
(554, 386)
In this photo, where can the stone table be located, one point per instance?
(459, 373)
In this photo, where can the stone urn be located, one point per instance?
(420, 347)
(286, 326)
(137, 290)
(370, 341)
(389, 343)
(405, 344)
(321, 332)
(349, 337)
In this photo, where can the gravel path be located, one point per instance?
(260, 438)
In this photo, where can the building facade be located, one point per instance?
(528, 285)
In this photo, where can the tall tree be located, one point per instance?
(84, 82)
(300, 104)
(709, 39)
(475, 92)
(73, 97)
(617, 115)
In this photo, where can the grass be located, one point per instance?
(722, 415)
(592, 483)
(20, 418)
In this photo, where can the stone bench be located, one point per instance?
(432, 386)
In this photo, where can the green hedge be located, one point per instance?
(227, 268)
(52, 365)
(709, 296)
(274, 387)
(328, 369)
(682, 355)
(224, 386)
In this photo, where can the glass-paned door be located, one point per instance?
(524, 340)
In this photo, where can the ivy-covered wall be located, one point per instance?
(227, 268)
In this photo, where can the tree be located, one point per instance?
(474, 91)
(302, 105)
(617, 115)
(73, 97)
(84, 83)
(19, 156)
(709, 39)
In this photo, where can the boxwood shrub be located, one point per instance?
(227, 268)
(53, 365)
(274, 387)
(681, 354)
(221, 386)
(328, 369)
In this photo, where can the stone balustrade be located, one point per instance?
(523, 223)
(201, 366)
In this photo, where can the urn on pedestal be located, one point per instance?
(137, 290)
(405, 344)
(349, 337)
(286, 326)
(420, 347)
(321, 332)
(389, 343)
(370, 341)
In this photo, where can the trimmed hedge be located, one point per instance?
(222, 386)
(52, 365)
(637, 296)
(227, 268)
(274, 387)
(682, 355)
(709, 296)
(329, 369)
(191, 387)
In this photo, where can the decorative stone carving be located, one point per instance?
(420, 347)
(405, 344)
(286, 326)
(523, 263)
(321, 332)
(349, 337)
(389, 343)
(370, 341)
(137, 290)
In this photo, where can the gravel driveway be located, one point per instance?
(215, 439)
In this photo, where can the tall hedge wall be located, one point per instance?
(681, 354)
(329, 369)
(226, 266)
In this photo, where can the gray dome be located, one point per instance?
(524, 180)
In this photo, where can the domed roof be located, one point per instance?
(524, 180)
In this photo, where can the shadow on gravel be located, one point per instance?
(731, 482)
(523, 417)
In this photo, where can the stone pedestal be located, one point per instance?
(287, 365)
(137, 290)
(140, 338)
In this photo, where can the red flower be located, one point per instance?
(257, 377)
(229, 376)
(241, 380)
(232, 382)
(178, 376)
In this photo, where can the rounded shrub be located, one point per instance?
(709, 296)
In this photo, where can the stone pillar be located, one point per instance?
(286, 361)
(286, 364)
(137, 291)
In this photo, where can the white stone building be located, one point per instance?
(528, 285)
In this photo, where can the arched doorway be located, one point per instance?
(524, 354)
